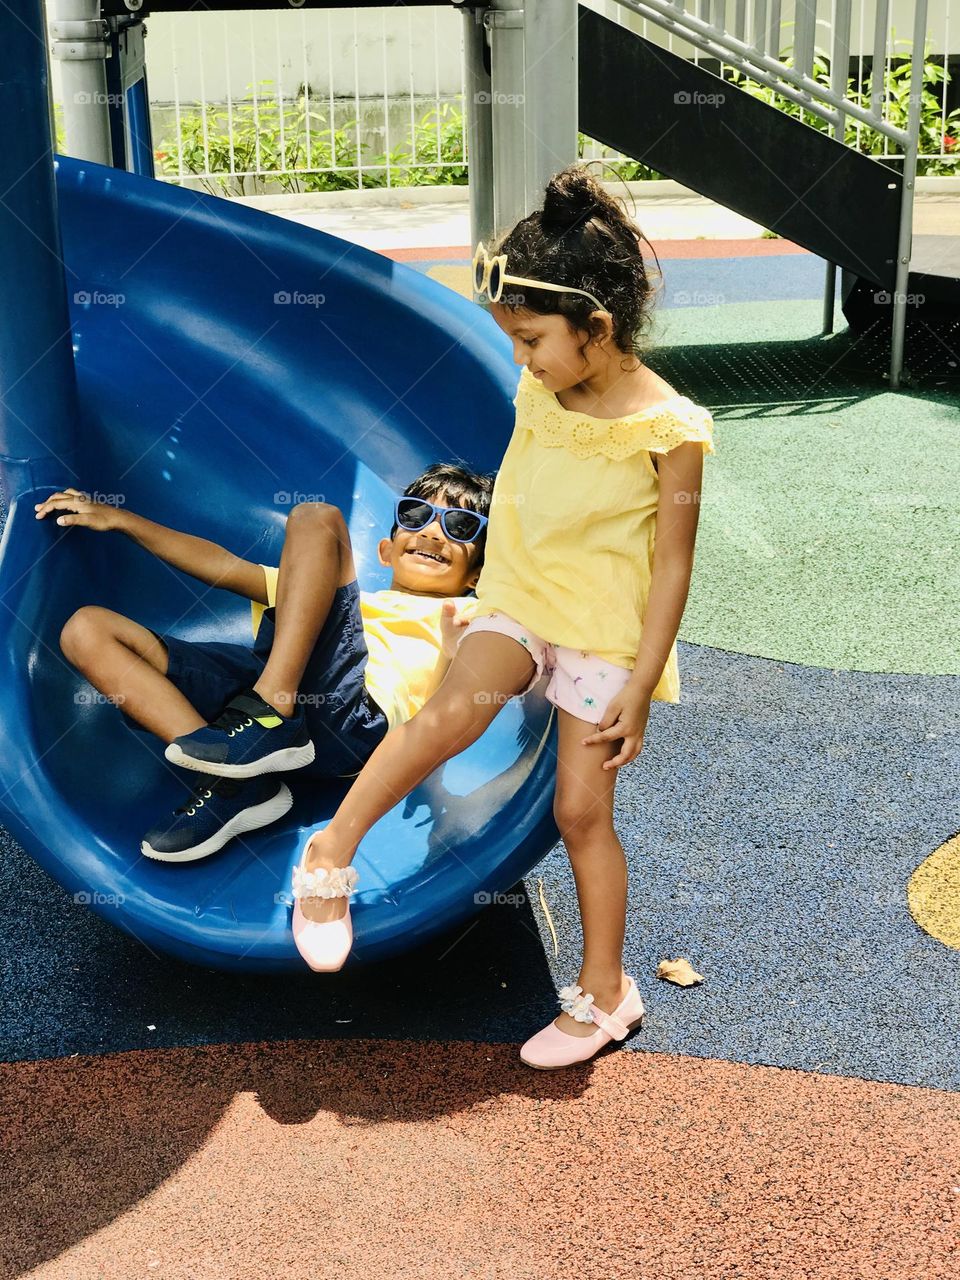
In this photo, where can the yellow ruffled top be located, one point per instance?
(572, 521)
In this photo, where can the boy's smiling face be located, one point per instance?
(425, 562)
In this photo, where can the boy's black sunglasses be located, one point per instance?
(459, 524)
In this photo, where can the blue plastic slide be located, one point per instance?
(228, 363)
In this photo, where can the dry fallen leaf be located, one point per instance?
(679, 971)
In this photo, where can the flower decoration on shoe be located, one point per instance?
(574, 1002)
(325, 882)
(324, 945)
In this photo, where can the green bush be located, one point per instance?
(438, 157)
(295, 147)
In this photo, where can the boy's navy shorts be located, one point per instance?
(344, 721)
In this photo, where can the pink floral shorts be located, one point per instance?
(579, 682)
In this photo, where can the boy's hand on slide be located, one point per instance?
(625, 717)
(452, 624)
(76, 507)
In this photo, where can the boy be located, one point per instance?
(332, 669)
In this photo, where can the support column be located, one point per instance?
(534, 96)
(81, 45)
(479, 124)
(504, 22)
(551, 74)
(38, 411)
(839, 69)
(905, 238)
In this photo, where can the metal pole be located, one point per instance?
(551, 92)
(38, 410)
(479, 125)
(504, 21)
(905, 239)
(839, 71)
(81, 45)
(534, 100)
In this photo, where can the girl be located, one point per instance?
(604, 462)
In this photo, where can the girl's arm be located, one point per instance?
(678, 511)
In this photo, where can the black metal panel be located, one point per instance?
(118, 139)
(733, 148)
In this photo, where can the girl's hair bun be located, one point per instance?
(581, 238)
(572, 198)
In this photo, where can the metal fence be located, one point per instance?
(320, 100)
(327, 130)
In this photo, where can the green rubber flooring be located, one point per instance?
(829, 529)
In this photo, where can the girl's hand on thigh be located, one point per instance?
(625, 717)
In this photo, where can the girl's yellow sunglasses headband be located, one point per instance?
(490, 275)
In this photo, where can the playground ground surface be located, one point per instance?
(790, 826)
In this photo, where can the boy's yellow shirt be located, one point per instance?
(404, 643)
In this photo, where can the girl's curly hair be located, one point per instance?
(582, 237)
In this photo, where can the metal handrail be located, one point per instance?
(792, 83)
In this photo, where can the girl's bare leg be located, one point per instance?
(128, 664)
(317, 558)
(583, 810)
(486, 671)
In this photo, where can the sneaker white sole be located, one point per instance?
(259, 815)
(276, 762)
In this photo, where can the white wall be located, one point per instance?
(356, 50)
(401, 50)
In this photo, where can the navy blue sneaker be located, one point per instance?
(247, 738)
(217, 810)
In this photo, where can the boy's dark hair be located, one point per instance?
(458, 488)
(581, 237)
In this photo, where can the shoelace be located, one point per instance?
(232, 718)
(204, 790)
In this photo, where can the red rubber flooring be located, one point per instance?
(417, 1159)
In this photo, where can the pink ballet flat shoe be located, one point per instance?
(325, 947)
(552, 1048)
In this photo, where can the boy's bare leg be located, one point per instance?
(486, 663)
(124, 660)
(317, 558)
(128, 664)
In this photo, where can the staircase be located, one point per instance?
(698, 128)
